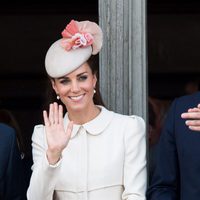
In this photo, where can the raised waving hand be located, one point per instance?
(57, 136)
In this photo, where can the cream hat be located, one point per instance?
(80, 41)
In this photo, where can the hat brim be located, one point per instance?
(59, 62)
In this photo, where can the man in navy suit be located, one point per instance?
(177, 172)
(11, 171)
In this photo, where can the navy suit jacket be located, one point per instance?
(11, 171)
(177, 173)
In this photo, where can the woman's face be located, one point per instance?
(76, 89)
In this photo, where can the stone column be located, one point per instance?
(123, 66)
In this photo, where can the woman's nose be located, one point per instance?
(75, 86)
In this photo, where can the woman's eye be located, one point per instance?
(82, 78)
(64, 81)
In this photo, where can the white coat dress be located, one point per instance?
(105, 160)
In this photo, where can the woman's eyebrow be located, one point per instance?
(81, 73)
(63, 77)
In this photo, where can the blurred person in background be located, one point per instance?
(176, 176)
(15, 168)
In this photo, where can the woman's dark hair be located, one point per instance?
(50, 96)
(94, 65)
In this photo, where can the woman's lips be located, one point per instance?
(76, 98)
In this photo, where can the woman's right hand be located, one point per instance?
(57, 137)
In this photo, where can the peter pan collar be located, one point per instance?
(95, 126)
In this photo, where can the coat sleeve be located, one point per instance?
(44, 176)
(163, 185)
(135, 178)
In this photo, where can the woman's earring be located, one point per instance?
(58, 97)
(94, 91)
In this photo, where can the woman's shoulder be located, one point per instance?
(121, 116)
(129, 118)
(132, 122)
(38, 132)
(38, 128)
(133, 119)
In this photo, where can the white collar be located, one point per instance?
(95, 126)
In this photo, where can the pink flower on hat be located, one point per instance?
(82, 34)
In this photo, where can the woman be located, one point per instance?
(91, 153)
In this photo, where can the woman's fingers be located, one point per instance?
(46, 119)
(55, 113)
(51, 113)
(60, 114)
(57, 137)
